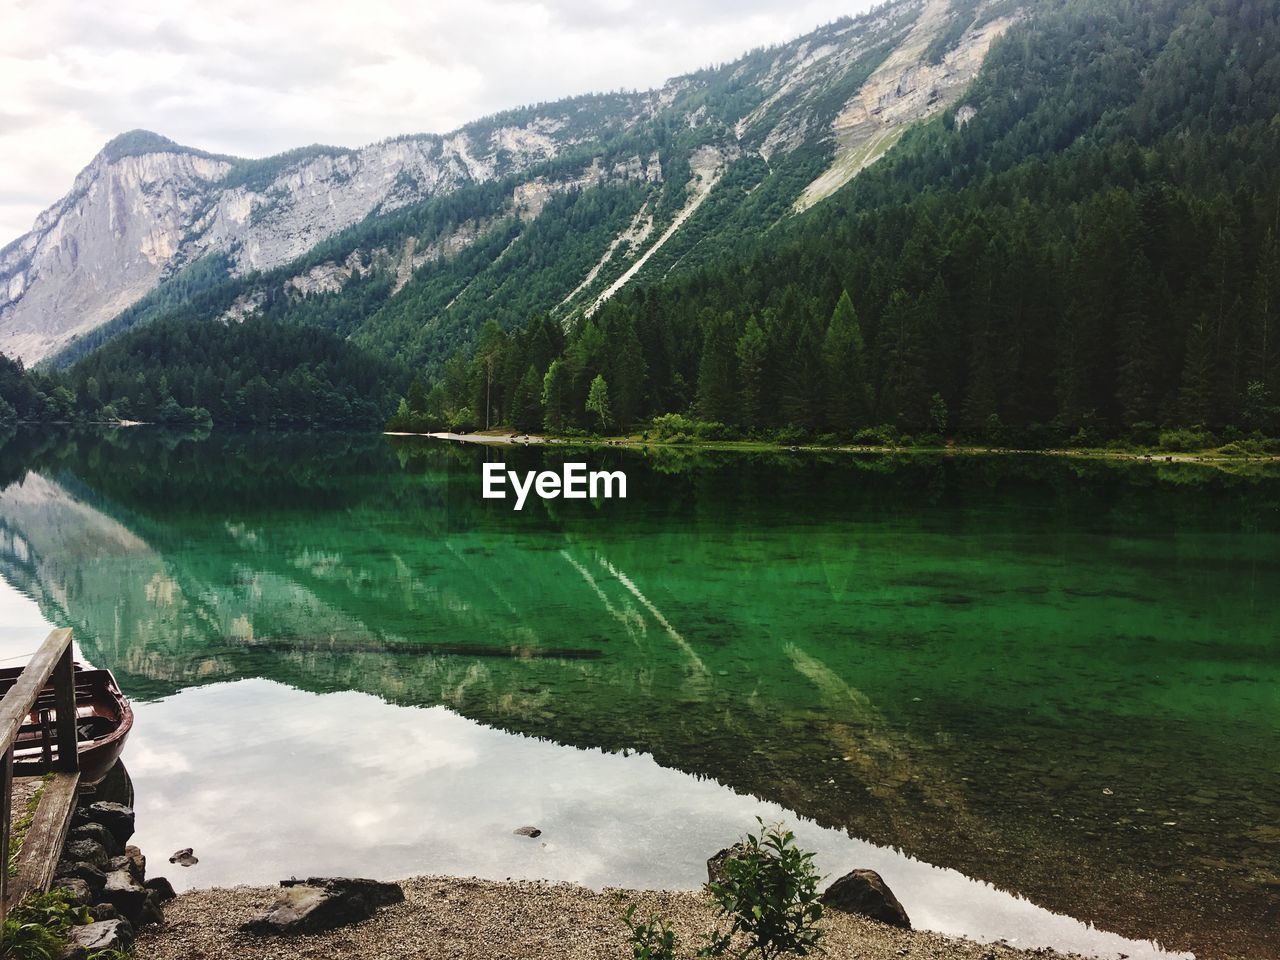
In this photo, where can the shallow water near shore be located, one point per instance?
(1037, 696)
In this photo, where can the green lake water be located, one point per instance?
(1040, 696)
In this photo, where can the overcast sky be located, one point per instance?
(254, 77)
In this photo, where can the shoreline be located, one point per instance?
(511, 920)
(1207, 458)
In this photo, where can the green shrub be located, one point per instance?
(1244, 448)
(1187, 438)
(677, 428)
(650, 939)
(769, 895)
(881, 436)
(1144, 434)
(36, 928)
(790, 436)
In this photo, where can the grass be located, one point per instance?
(19, 831)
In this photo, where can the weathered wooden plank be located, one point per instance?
(6, 802)
(17, 702)
(42, 846)
(64, 693)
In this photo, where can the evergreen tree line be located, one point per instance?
(1094, 256)
(255, 373)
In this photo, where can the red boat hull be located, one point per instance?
(103, 721)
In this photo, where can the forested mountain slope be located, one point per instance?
(1038, 223)
(1085, 247)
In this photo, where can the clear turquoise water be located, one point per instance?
(1054, 677)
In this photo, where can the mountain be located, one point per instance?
(1036, 224)
(551, 207)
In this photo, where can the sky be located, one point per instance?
(254, 77)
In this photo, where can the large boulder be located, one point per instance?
(77, 891)
(116, 817)
(865, 893)
(162, 888)
(151, 911)
(323, 903)
(137, 862)
(86, 851)
(99, 834)
(125, 893)
(67, 869)
(102, 935)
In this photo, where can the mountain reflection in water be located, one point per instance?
(1056, 678)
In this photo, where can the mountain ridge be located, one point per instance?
(133, 222)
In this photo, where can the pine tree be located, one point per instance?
(717, 380)
(557, 399)
(1195, 399)
(624, 368)
(848, 391)
(904, 397)
(803, 397)
(753, 354)
(526, 404)
(598, 403)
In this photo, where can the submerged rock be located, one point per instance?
(323, 903)
(865, 893)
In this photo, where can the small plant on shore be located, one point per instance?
(769, 893)
(651, 938)
(37, 926)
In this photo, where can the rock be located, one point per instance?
(162, 888)
(105, 911)
(530, 832)
(323, 903)
(121, 863)
(99, 834)
(865, 893)
(151, 912)
(136, 865)
(86, 851)
(124, 893)
(185, 857)
(78, 892)
(137, 862)
(116, 817)
(715, 865)
(100, 935)
(67, 869)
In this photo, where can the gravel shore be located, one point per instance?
(445, 917)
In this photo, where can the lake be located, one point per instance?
(1040, 696)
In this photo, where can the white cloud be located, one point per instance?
(251, 78)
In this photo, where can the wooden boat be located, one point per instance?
(103, 721)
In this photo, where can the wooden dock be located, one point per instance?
(38, 857)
